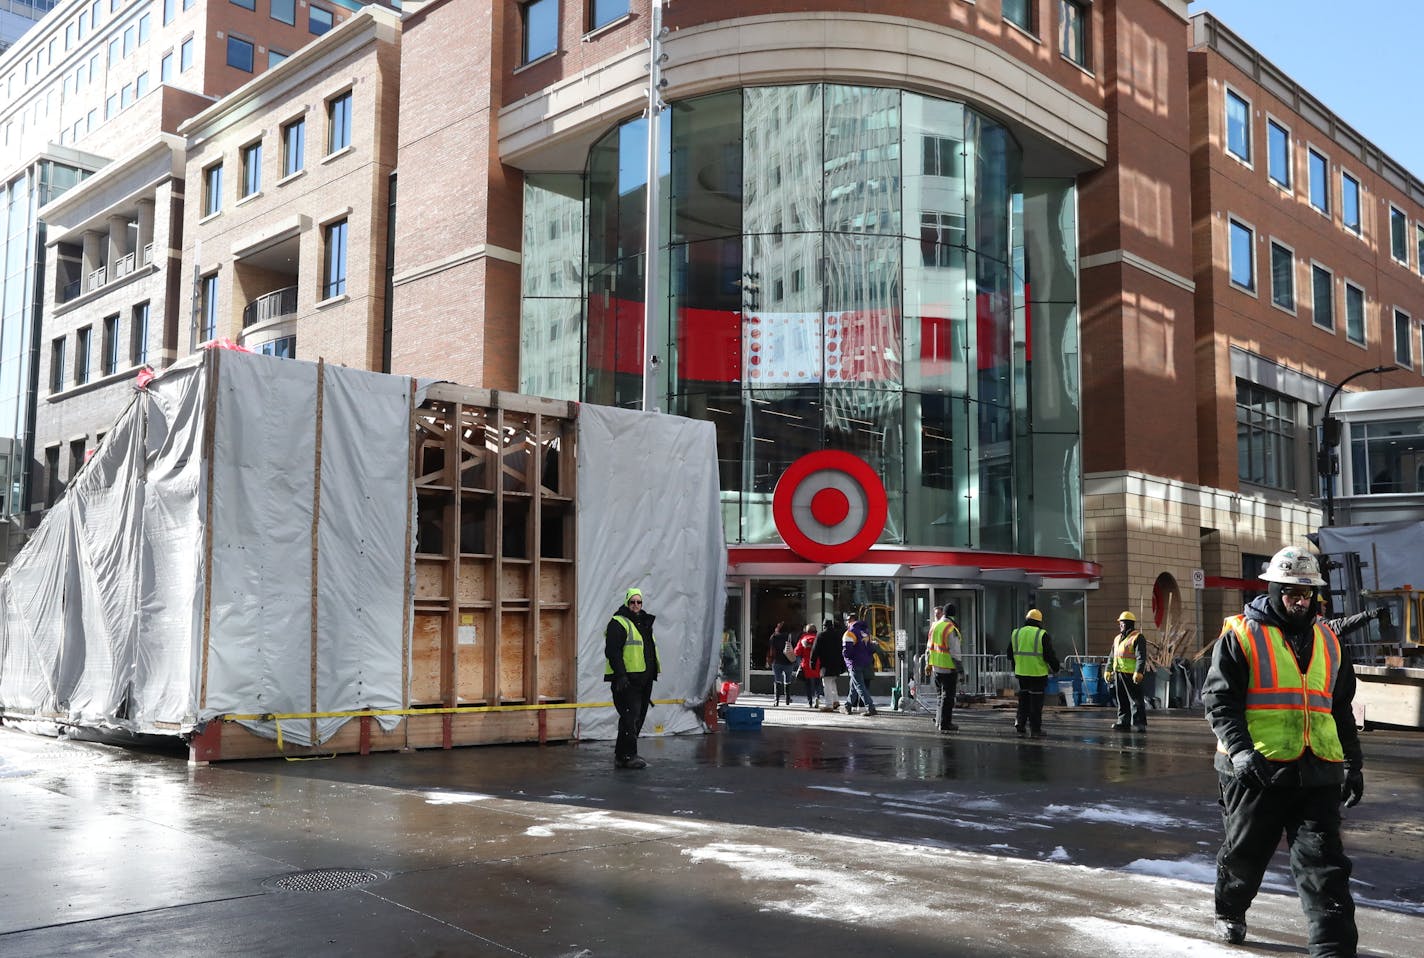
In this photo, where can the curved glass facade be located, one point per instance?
(844, 268)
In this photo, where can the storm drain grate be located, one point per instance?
(324, 879)
(1412, 893)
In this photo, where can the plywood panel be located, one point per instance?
(473, 585)
(472, 637)
(514, 580)
(425, 645)
(556, 656)
(513, 641)
(429, 579)
(556, 581)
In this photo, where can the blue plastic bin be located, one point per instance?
(746, 717)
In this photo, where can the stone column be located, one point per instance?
(118, 244)
(92, 258)
(145, 232)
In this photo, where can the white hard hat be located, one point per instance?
(1293, 566)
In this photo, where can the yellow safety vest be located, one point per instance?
(1124, 655)
(1028, 650)
(939, 655)
(633, 660)
(1287, 712)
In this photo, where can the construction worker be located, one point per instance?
(1128, 665)
(942, 656)
(1034, 660)
(631, 669)
(1278, 697)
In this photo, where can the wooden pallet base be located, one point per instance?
(228, 741)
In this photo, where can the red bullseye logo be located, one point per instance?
(830, 506)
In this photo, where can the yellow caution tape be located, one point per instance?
(278, 717)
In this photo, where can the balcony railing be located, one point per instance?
(269, 306)
(97, 278)
(123, 266)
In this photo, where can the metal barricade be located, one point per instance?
(985, 674)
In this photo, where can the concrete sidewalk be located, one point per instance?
(818, 834)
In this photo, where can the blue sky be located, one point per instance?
(1357, 58)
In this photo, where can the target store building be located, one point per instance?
(865, 246)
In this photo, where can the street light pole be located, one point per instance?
(1326, 463)
(652, 257)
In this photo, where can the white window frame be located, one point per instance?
(1349, 284)
(1314, 313)
(1229, 91)
(1289, 185)
(1393, 209)
(1233, 220)
(1272, 243)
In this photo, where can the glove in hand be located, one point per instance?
(1251, 769)
(1353, 789)
(620, 683)
(1382, 613)
(1137, 678)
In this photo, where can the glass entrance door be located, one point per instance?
(917, 604)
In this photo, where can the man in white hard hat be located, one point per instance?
(1128, 665)
(1278, 697)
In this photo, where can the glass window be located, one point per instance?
(285, 11)
(208, 309)
(126, 96)
(188, 3)
(275, 57)
(1243, 253)
(320, 20)
(1265, 436)
(1278, 153)
(1020, 13)
(1350, 202)
(185, 55)
(141, 84)
(165, 67)
(1354, 313)
(1419, 246)
(284, 348)
(251, 168)
(1319, 182)
(1322, 292)
(109, 363)
(338, 123)
(541, 28)
(111, 106)
(145, 24)
(138, 335)
(81, 355)
(1399, 235)
(1403, 339)
(170, 10)
(115, 50)
(606, 11)
(1387, 457)
(212, 189)
(130, 39)
(333, 271)
(1282, 277)
(56, 364)
(294, 137)
(1238, 126)
(245, 4)
(1073, 21)
(239, 53)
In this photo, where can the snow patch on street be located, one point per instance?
(1115, 939)
(456, 798)
(1116, 815)
(1201, 870)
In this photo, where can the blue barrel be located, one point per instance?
(1092, 679)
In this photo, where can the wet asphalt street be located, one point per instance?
(818, 834)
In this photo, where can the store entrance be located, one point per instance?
(917, 604)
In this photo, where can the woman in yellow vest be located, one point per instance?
(631, 670)
(1128, 664)
(1278, 697)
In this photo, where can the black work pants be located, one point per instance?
(1131, 706)
(1030, 713)
(948, 684)
(632, 705)
(1254, 820)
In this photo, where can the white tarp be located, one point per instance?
(648, 516)
(104, 609)
(1391, 549)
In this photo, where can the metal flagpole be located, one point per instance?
(652, 247)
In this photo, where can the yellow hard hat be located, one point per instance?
(1035, 615)
(1127, 617)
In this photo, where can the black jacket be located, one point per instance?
(827, 651)
(615, 635)
(1224, 695)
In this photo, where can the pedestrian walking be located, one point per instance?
(859, 653)
(1129, 664)
(1031, 650)
(808, 668)
(942, 656)
(631, 669)
(781, 659)
(827, 655)
(1278, 696)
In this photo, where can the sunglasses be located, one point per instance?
(635, 601)
(1297, 593)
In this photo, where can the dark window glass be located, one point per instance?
(208, 309)
(1238, 126)
(1399, 235)
(109, 362)
(251, 169)
(1322, 290)
(239, 54)
(294, 137)
(319, 21)
(1354, 313)
(541, 28)
(1019, 13)
(1403, 340)
(284, 348)
(1278, 153)
(333, 282)
(606, 11)
(1319, 182)
(1265, 436)
(56, 364)
(1243, 252)
(1387, 457)
(138, 335)
(212, 189)
(1282, 277)
(284, 10)
(1073, 21)
(1350, 202)
(338, 123)
(81, 355)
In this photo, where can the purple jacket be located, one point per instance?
(857, 649)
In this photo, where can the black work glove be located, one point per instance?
(620, 683)
(1382, 613)
(1354, 788)
(1251, 769)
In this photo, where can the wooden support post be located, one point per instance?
(543, 727)
(210, 416)
(447, 736)
(364, 744)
